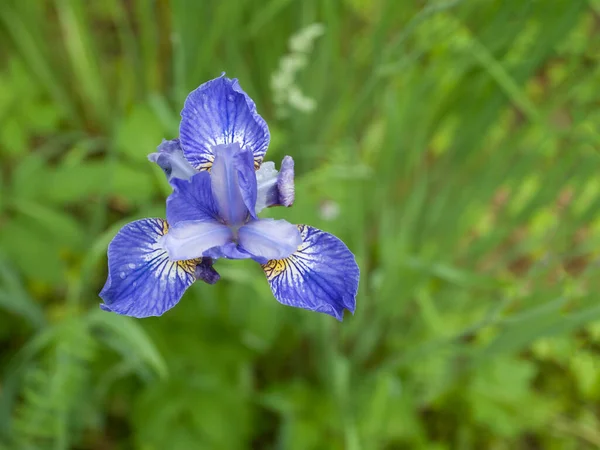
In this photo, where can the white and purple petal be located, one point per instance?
(170, 159)
(219, 112)
(275, 188)
(321, 276)
(266, 186)
(190, 239)
(268, 239)
(142, 281)
(192, 200)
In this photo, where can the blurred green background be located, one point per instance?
(453, 145)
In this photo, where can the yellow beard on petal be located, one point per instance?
(274, 267)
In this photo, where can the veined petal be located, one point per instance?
(170, 159)
(219, 112)
(142, 281)
(267, 239)
(225, 184)
(192, 200)
(275, 188)
(190, 239)
(321, 276)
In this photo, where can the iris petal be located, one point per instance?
(266, 180)
(247, 179)
(190, 239)
(275, 188)
(171, 160)
(142, 281)
(321, 276)
(285, 182)
(192, 200)
(230, 251)
(220, 112)
(225, 185)
(269, 239)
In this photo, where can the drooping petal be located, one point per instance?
(321, 276)
(142, 281)
(247, 179)
(192, 200)
(269, 239)
(225, 184)
(190, 239)
(220, 112)
(170, 159)
(275, 188)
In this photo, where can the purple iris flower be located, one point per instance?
(220, 184)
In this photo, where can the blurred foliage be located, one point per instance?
(457, 139)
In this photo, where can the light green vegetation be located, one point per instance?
(460, 141)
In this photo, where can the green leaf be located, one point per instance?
(132, 340)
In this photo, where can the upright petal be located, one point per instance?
(269, 239)
(142, 281)
(275, 188)
(171, 160)
(190, 239)
(321, 276)
(285, 182)
(219, 112)
(266, 186)
(192, 200)
(225, 184)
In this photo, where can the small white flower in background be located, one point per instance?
(286, 94)
(329, 210)
(300, 101)
(303, 40)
